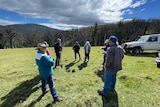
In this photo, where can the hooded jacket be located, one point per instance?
(44, 63)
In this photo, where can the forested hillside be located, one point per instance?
(28, 35)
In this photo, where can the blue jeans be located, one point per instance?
(50, 82)
(58, 57)
(109, 81)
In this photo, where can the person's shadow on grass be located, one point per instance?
(83, 65)
(20, 93)
(71, 64)
(111, 100)
(100, 74)
(36, 101)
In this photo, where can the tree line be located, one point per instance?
(96, 34)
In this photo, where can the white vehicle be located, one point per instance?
(145, 42)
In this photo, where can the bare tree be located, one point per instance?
(2, 41)
(11, 36)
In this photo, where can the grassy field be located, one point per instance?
(138, 84)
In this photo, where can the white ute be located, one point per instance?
(145, 42)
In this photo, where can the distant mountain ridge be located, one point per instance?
(30, 29)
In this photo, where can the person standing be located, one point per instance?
(87, 49)
(58, 51)
(105, 50)
(45, 63)
(113, 63)
(48, 52)
(76, 49)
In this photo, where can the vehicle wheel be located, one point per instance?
(136, 50)
(127, 50)
(158, 65)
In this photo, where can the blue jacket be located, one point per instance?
(44, 63)
(87, 48)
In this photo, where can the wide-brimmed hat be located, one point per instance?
(46, 43)
(41, 45)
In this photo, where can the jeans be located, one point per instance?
(50, 82)
(58, 57)
(109, 81)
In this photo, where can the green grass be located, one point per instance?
(138, 84)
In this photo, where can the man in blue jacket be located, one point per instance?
(45, 63)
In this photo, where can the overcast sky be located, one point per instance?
(66, 14)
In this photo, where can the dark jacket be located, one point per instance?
(57, 48)
(114, 58)
(76, 48)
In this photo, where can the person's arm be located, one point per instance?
(47, 60)
(109, 57)
(73, 47)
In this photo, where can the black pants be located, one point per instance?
(86, 56)
(75, 54)
(104, 58)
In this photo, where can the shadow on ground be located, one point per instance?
(144, 54)
(71, 64)
(35, 101)
(83, 65)
(111, 100)
(100, 74)
(20, 93)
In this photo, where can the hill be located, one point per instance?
(29, 29)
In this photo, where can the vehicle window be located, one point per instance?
(150, 39)
(153, 39)
(142, 39)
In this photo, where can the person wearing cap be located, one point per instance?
(87, 49)
(106, 43)
(58, 51)
(76, 49)
(45, 63)
(113, 63)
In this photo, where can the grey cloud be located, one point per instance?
(77, 12)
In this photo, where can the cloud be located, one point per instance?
(138, 3)
(142, 10)
(62, 26)
(72, 12)
(7, 22)
(128, 11)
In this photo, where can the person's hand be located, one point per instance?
(104, 66)
(104, 52)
